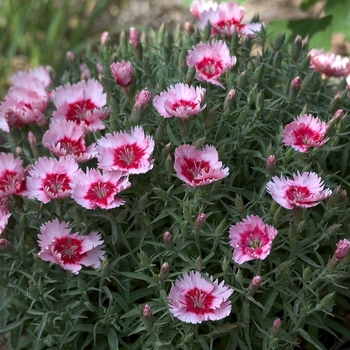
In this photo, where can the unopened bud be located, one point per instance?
(296, 48)
(135, 38)
(19, 151)
(304, 64)
(230, 100)
(104, 38)
(260, 100)
(201, 219)
(168, 240)
(106, 268)
(255, 284)
(332, 230)
(164, 271)
(145, 260)
(294, 88)
(242, 80)
(343, 249)
(210, 118)
(199, 263)
(147, 316)
(276, 327)
(277, 59)
(271, 164)
(142, 101)
(99, 68)
(70, 56)
(307, 81)
(207, 32)
(4, 243)
(326, 301)
(307, 274)
(277, 44)
(239, 205)
(190, 75)
(188, 26)
(258, 73)
(85, 71)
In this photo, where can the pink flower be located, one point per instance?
(105, 37)
(211, 61)
(197, 7)
(41, 74)
(135, 38)
(11, 175)
(130, 153)
(81, 103)
(343, 249)
(93, 189)
(198, 167)
(69, 250)
(305, 132)
(24, 105)
(305, 190)
(50, 178)
(329, 64)
(180, 101)
(143, 99)
(251, 239)
(67, 137)
(123, 73)
(4, 214)
(194, 299)
(226, 19)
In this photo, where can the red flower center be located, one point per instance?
(77, 110)
(184, 103)
(192, 169)
(10, 182)
(254, 240)
(75, 147)
(210, 67)
(304, 136)
(128, 156)
(99, 193)
(198, 301)
(298, 194)
(225, 26)
(56, 185)
(69, 248)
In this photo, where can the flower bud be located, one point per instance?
(333, 123)
(70, 56)
(190, 75)
(258, 73)
(296, 48)
(260, 100)
(4, 243)
(187, 212)
(85, 71)
(145, 260)
(230, 100)
(277, 44)
(307, 274)
(168, 240)
(142, 101)
(147, 316)
(123, 73)
(164, 271)
(188, 26)
(294, 88)
(134, 35)
(271, 164)
(207, 31)
(284, 265)
(242, 80)
(159, 136)
(332, 230)
(239, 205)
(304, 64)
(343, 249)
(276, 327)
(99, 68)
(201, 219)
(105, 38)
(277, 59)
(326, 301)
(106, 268)
(255, 284)
(199, 263)
(210, 118)
(307, 81)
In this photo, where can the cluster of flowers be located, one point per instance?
(80, 108)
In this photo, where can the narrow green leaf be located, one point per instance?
(113, 339)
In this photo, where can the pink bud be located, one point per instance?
(123, 73)
(343, 249)
(4, 243)
(256, 281)
(19, 151)
(147, 311)
(271, 164)
(134, 37)
(201, 219)
(99, 68)
(338, 115)
(188, 26)
(296, 83)
(32, 139)
(85, 72)
(70, 56)
(277, 324)
(147, 316)
(164, 271)
(105, 38)
(168, 240)
(143, 99)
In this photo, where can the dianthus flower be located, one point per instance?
(211, 61)
(194, 299)
(197, 7)
(69, 250)
(93, 189)
(67, 137)
(180, 101)
(251, 239)
(50, 178)
(226, 19)
(305, 190)
(4, 214)
(130, 153)
(304, 132)
(41, 74)
(11, 174)
(329, 64)
(24, 105)
(123, 73)
(198, 167)
(81, 103)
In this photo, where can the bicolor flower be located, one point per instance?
(211, 61)
(304, 190)
(99, 190)
(198, 167)
(304, 132)
(180, 101)
(198, 7)
(251, 239)
(41, 74)
(68, 137)
(194, 299)
(329, 64)
(123, 73)
(82, 103)
(51, 178)
(226, 19)
(130, 153)
(69, 250)
(11, 175)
